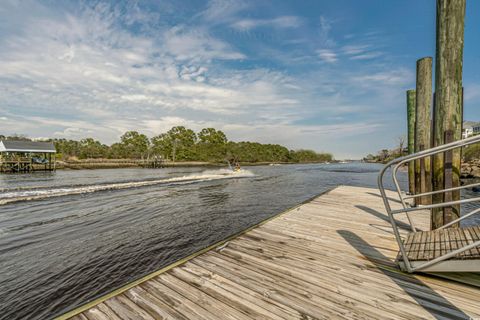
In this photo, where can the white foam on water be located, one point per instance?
(24, 195)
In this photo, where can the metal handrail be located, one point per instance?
(436, 205)
(395, 164)
(412, 196)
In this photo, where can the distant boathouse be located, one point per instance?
(26, 156)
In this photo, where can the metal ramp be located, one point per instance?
(441, 250)
(424, 246)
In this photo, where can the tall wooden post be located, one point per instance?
(423, 179)
(448, 105)
(411, 96)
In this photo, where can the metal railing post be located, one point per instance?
(395, 165)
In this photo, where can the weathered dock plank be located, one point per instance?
(442, 241)
(333, 257)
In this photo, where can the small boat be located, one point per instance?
(236, 167)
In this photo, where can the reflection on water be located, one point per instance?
(57, 252)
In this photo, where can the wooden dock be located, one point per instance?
(332, 257)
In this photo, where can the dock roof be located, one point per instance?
(27, 146)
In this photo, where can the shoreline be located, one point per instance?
(132, 163)
(468, 170)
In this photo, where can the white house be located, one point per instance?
(467, 132)
(470, 128)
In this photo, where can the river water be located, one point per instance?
(76, 235)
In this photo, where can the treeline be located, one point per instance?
(469, 153)
(384, 155)
(182, 144)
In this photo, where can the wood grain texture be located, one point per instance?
(428, 245)
(422, 127)
(333, 257)
(448, 108)
(411, 117)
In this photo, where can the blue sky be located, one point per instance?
(325, 75)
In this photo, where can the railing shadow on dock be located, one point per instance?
(439, 307)
(389, 199)
(382, 228)
(400, 224)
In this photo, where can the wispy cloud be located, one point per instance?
(220, 11)
(327, 55)
(278, 22)
(325, 26)
(103, 76)
(185, 43)
(367, 55)
(101, 68)
(395, 77)
(354, 49)
(361, 52)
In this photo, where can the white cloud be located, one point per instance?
(327, 55)
(394, 77)
(325, 39)
(361, 52)
(197, 45)
(367, 55)
(87, 76)
(74, 133)
(278, 22)
(83, 73)
(355, 49)
(193, 72)
(219, 11)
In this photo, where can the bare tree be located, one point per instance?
(401, 143)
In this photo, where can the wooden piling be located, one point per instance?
(422, 128)
(411, 106)
(448, 105)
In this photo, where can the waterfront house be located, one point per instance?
(26, 156)
(470, 128)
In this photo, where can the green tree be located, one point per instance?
(162, 145)
(212, 136)
(135, 144)
(177, 144)
(19, 137)
(184, 145)
(117, 151)
(211, 145)
(91, 148)
(67, 148)
(471, 152)
(303, 155)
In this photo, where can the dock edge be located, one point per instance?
(89, 304)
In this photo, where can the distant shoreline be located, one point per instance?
(92, 164)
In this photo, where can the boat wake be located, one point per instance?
(36, 194)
